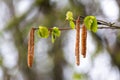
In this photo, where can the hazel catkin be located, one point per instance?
(77, 45)
(83, 40)
(31, 48)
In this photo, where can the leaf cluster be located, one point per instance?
(44, 32)
(69, 17)
(91, 23)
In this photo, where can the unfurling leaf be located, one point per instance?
(53, 38)
(91, 23)
(55, 33)
(72, 24)
(43, 32)
(94, 25)
(69, 16)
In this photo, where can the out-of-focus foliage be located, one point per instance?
(77, 76)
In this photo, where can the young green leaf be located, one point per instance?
(53, 38)
(94, 27)
(88, 22)
(91, 23)
(55, 33)
(69, 16)
(72, 24)
(43, 32)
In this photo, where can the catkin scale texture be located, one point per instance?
(31, 48)
(77, 45)
(83, 40)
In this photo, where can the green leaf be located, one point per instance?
(55, 33)
(91, 23)
(72, 24)
(43, 32)
(94, 27)
(53, 38)
(69, 16)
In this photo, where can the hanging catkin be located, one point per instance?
(77, 46)
(31, 48)
(83, 40)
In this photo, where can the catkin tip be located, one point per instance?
(30, 60)
(78, 60)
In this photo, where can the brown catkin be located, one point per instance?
(77, 45)
(31, 48)
(83, 40)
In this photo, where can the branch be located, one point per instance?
(68, 28)
(109, 25)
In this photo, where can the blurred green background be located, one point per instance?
(57, 61)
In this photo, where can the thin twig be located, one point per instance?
(113, 27)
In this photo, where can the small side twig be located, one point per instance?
(111, 27)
